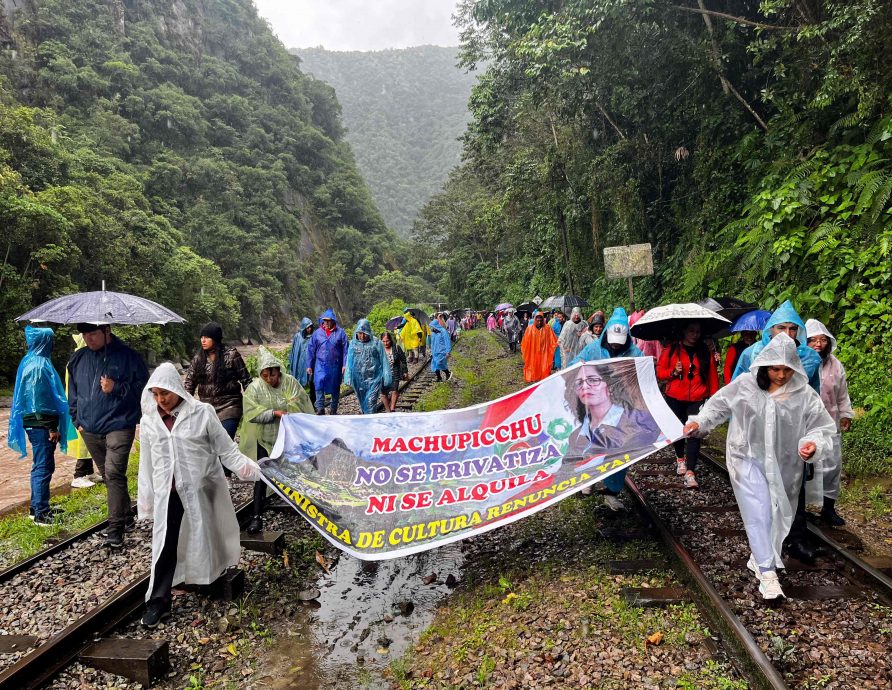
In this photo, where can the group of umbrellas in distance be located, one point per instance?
(718, 317)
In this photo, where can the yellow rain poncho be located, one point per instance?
(411, 334)
(259, 424)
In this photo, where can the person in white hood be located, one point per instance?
(182, 488)
(778, 423)
(835, 394)
(571, 334)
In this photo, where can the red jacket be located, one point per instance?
(731, 357)
(688, 388)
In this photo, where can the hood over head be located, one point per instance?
(166, 377)
(780, 351)
(617, 329)
(39, 341)
(785, 313)
(597, 317)
(363, 326)
(305, 322)
(329, 314)
(266, 360)
(814, 327)
(576, 311)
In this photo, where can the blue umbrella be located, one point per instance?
(751, 321)
(102, 307)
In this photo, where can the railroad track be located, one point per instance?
(834, 625)
(419, 382)
(37, 660)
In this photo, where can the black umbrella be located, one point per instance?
(419, 315)
(728, 307)
(563, 302)
(528, 307)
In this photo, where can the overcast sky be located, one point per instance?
(361, 24)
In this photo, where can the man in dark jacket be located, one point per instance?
(105, 382)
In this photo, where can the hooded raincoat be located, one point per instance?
(835, 394)
(260, 425)
(511, 326)
(765, 433)
(441, 346)
(537, 347)
(598, 349)
(491, 323)
(411, 333)
(811, 360)
(327, 356)
(298, 360)
(570, 339)
(556, 327)
(38, 391)
(187, 455)
(368, 369)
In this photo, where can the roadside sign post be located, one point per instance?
(628, 261)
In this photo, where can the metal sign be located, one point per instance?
(628, 261)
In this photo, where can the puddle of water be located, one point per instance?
(359, 607)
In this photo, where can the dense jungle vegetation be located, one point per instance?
(175, 150)
(748, 141)
(405, 111)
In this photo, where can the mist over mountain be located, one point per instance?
(404, 111)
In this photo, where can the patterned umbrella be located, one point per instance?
(563, 302)
(668, 320)
(503, 306)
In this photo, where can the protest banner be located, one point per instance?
(388, 485)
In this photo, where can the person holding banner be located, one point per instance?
(777, 424)
(537, 347)
(441, 346)
(368, 370)
(182, 489)
(266, 400)
(326, 359)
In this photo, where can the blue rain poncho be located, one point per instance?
(297, 362)
(327, 355)
(811, 360)
(441, 346)
(38, 390)
(368, 368)
(598, 349)
(556, 328)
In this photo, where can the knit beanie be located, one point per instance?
(214, 331)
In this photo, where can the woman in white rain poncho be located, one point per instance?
(182, 487)
(268, 397)
(778, 423)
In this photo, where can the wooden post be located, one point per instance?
(631, 296)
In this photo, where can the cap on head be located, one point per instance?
(617, 333)
(214, 331)
(88, 327)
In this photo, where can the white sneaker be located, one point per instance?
(681, 466)
(690, 481)
(751, 564)
(96, 478)
(587, 491)
(614, 503)
(81, 483)
(769, 586)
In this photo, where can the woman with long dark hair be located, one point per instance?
(688, 367)
(399, 370)
(218, 374)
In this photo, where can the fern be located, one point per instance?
(845, 122)
(870, 187)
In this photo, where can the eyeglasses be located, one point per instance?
(590, 381)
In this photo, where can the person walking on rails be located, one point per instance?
(105, 380)
(182, 489)
(778, 423)
(326, 360)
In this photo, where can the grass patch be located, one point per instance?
(870, 497)
(83, 508)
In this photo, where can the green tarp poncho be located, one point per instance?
(261, 398)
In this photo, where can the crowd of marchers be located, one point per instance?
(188, 426)
(784, 396)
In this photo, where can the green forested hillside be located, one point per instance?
(176, 151)
(404, 111)
(749, 142)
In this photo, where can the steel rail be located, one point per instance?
(43, 662)
(756, 666)
(876, 578)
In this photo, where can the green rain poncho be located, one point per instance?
(259, 423)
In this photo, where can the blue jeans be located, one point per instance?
(231, 426)
(42, 469)
(335, 397)
(615, 482)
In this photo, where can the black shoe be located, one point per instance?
(256, 525)
(448, 374)
(332, 411)
(156, 611)
(129, 526)
(801, 552)
(830, 517)
(46, 519)
(114, 540)
(320, 411)
(438, 377)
